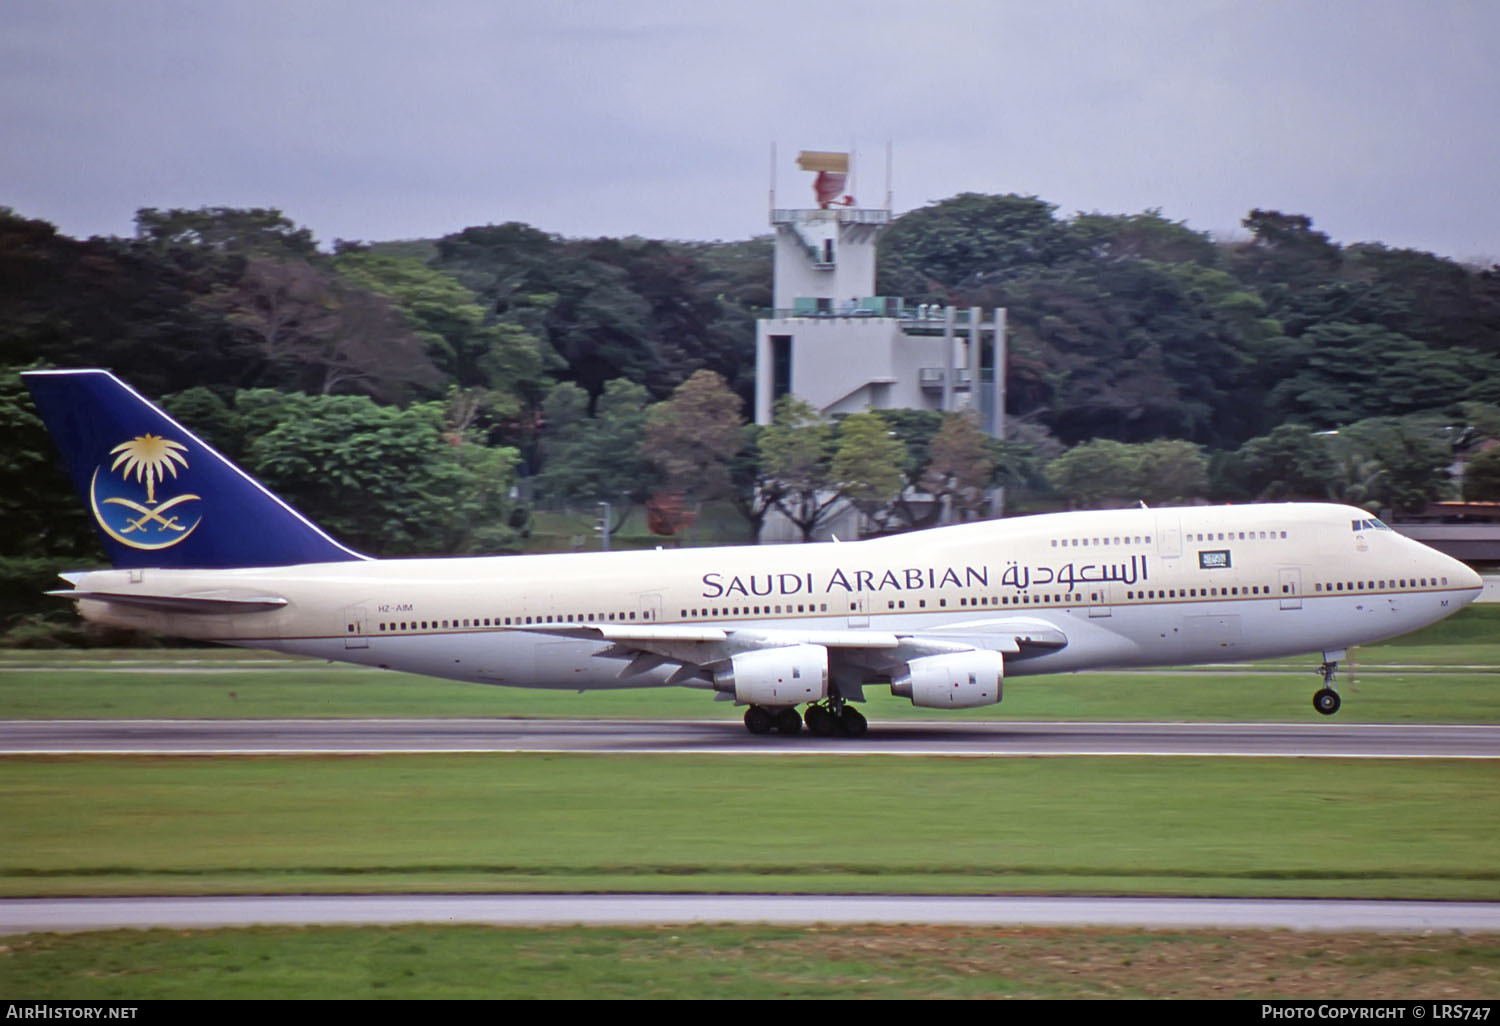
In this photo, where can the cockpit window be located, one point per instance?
(1371, 524)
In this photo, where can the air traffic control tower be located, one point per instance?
(833, 342)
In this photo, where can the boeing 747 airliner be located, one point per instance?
(201, 550)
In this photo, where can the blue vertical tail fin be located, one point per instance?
(158, 495)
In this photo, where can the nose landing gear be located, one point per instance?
(1327, 700)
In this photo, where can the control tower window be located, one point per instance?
(781, 366)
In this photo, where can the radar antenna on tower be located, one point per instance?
(833, 175)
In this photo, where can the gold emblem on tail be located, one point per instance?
(150, 460)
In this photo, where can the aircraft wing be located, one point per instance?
(854, 655)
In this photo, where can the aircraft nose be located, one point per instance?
(1466, 578)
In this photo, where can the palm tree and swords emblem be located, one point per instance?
(150, 459)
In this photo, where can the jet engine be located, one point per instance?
(961, 680)
(777, 676)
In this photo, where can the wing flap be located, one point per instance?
(627, 633)
(862, 654)
(643, 637)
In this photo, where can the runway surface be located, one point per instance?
(28, 915)
(969, 738)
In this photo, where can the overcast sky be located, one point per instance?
(384, 119)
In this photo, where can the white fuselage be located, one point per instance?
(1123, 587)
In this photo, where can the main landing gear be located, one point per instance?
(1327, 700)
(760, 720)
(835, 717)
(825, 720)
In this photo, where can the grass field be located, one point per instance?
(1448, 673)
(1189, 826)
(706, 962)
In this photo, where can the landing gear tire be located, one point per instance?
(820, 721)
(852, 723)
(835, 717)
(788, 722)
(757, 720)
(1327, 701)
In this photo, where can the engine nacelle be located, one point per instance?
(777, 676)
(962, 680)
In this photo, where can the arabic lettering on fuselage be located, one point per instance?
(1070, 574)
(1015, 576)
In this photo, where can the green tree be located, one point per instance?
(796, 454)
(1291, 462)
(111, 303)
(1340, 372)
(1132, 350)
(752, 490)
(1481, 420)
(915, 429)
(693, 438)
(211, 418)
(609, 308)
(866, 463)
(692, 324)
(226, 230)
(1107, 473)
(324, 334)
(735, 278)
(1171, 471)
(1481, 482)
(1287, 257)
(1144, 236)
(1411, 455)
(929, 252)
(503, 362)
(962, 466)
(595, 459)
(384, 480)
(1099, 473)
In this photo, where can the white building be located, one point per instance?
(834, 343)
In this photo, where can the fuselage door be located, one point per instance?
(651, 606)
(1100, 599)
(859, 611)
(353, 622)
(1290, 581)
(1168, 537)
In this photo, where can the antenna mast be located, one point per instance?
(772, 211)
(889, 207)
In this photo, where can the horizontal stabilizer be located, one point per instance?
(207, 603)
